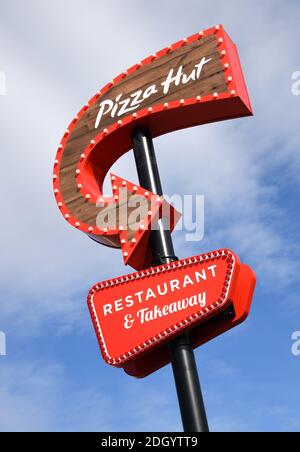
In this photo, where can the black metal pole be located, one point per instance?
(182, 354)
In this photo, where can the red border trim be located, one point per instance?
(119, 361)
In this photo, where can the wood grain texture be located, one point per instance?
(212, 80)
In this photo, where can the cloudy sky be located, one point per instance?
(55, 55)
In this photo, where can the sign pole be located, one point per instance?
(181, 350)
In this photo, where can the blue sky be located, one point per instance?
(56, 55)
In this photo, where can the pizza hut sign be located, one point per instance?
(197, 80)
(194, 81)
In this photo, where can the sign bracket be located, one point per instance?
(181, 350)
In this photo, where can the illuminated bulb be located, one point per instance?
(198, 98)
(56, 191)
(82, 156)
(233, 92)
(115, 187)
(133, 240)
(220, 40)
(149, 213)
(93, 142)
(125, 254)
(88, 196)
(201, 34)
(105, 131)
(182, 101)
(150, 109)
(216, 95)
(135, 188)
(77, 172)
(60, 204)
(124, 183)
(223, 53)
(166, 104)
(217, 27)
(55, 162)
(146, 194)
(105, 229)
(91, 229)
(77, 224)
(79, 186)
(113, 178)
(54, 176)
(229, 79)
(134, 115)
(116, 197)
(67, 216)
(226, 65)
(120, 122)
(123, 241)
(142, 227)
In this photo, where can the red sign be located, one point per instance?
(197, 80)
(136, 314)
(135, 225)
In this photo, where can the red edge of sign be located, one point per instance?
(241, 298)
(174, 330)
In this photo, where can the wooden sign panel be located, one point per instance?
(136, 314)
(194, 81)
